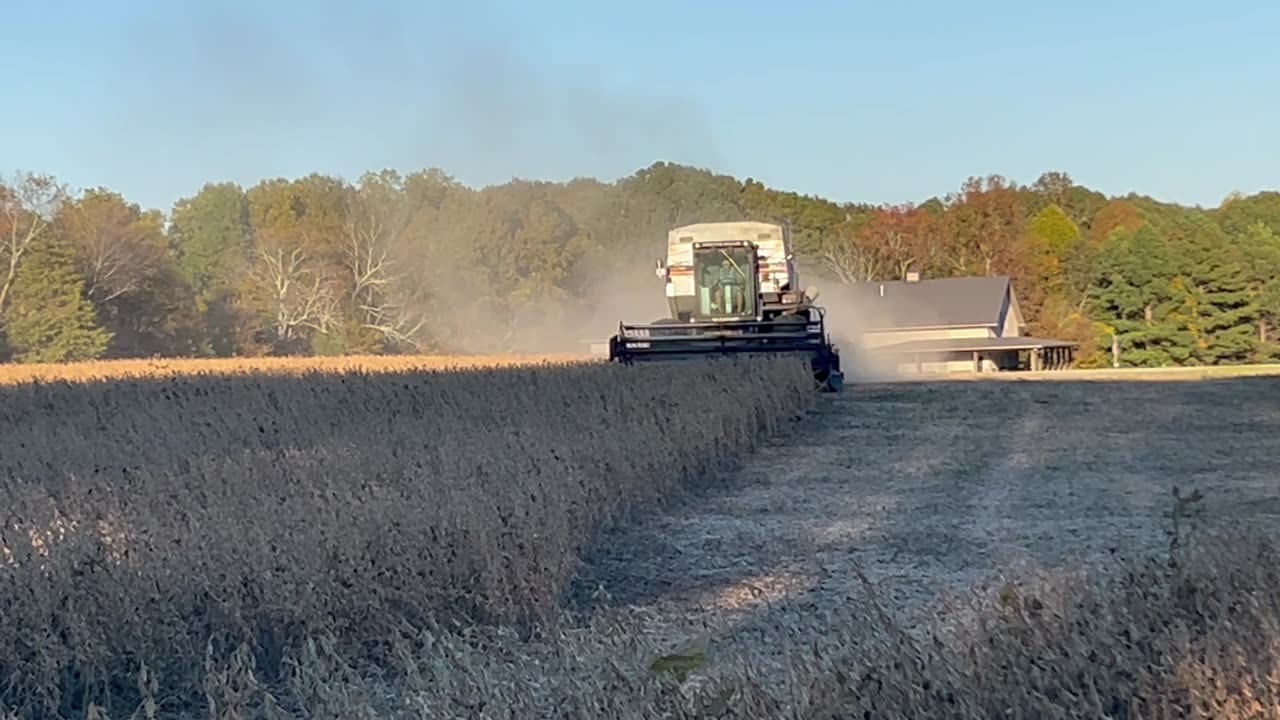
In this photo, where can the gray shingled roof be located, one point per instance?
(944, 302)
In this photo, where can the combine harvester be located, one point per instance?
(732, 290)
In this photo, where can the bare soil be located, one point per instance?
(925, 487)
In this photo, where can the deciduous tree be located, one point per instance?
(381, 313)
(422, 262)
(131, 275)
(212, 244)
(293, 293)
(28, 204)
(984, 224)
(116, 244)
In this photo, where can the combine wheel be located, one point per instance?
(829, 379)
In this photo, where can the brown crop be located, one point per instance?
(11, 374)
(170, 521)
(393, 543)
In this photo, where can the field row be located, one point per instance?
(12, 374)
(152, 517)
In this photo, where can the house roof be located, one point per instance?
(942, 302)
(973, 345)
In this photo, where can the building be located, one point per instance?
(965, 324)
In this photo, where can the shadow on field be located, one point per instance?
(926, 486)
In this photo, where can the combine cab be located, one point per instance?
(732, 297)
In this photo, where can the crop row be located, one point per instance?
(172, 522)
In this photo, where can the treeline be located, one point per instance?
(397, 263)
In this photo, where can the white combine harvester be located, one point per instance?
(732, 288)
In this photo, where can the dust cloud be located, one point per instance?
(462, 88)
(635, 295)
(852, 310)
(505, 116)
(345, 89)
(604, 297)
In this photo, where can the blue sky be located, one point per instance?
(862, 101)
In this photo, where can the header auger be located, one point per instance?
(730, 289)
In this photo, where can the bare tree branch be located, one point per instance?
(850, 261)
(375, 286)
(114, 246)
(27, 206)
(299, 296)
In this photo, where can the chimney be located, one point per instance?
(913, 276)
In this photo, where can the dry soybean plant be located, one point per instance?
(1199, 638)
(187, 542)
(99, 370)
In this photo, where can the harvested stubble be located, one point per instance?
(160, 531)
(1143, 638)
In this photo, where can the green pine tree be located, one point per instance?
(1133, 295)
(49, 319)
(1260, 247)
(1215, 303)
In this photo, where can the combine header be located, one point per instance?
(730, 295)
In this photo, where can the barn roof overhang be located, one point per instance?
(974, 345)
(898, 329)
